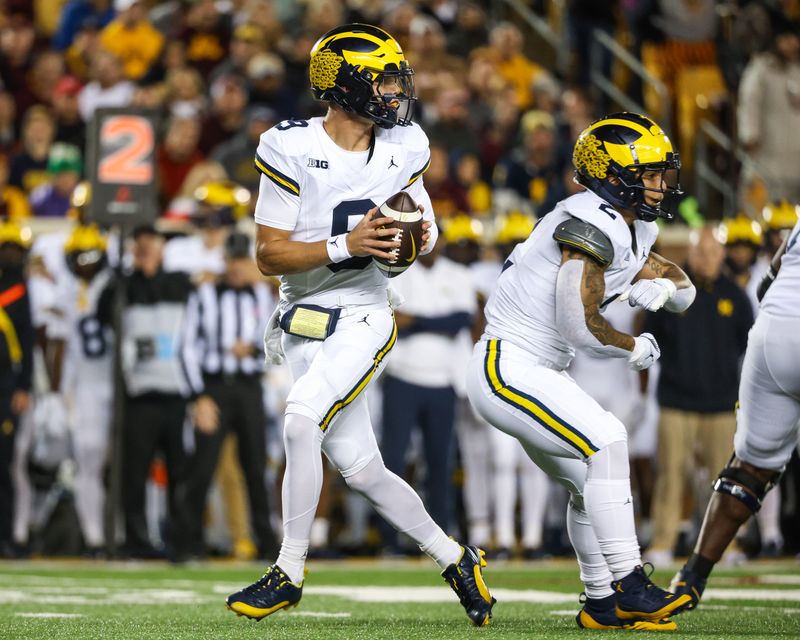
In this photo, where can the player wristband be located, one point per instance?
(337, 248)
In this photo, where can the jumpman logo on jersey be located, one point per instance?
(392, 163)
(364, 320)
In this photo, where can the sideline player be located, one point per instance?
(82, 372)
(317, 228)
(766, 420)
(548, 302)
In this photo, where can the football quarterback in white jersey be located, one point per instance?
(318, 229)
(83, 370)
(766, 419)
(592, 248)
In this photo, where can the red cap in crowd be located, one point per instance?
(67, 86)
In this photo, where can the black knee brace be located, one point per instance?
(742, 485)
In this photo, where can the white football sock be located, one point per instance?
(595, 575)
(302, 482)
(609, 503)
(397, 502)
(292, 558)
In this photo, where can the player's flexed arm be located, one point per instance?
(661, 283)
(580, 290)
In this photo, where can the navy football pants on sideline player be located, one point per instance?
(432, 409)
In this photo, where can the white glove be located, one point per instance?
(650, 294)
(645, 352)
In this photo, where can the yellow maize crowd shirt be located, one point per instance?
(137, 47)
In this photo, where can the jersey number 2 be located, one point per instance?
(341, 220)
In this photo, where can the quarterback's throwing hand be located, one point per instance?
(650, 294)
(368, 238)
(645, 352)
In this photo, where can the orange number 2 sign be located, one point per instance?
(131, 139)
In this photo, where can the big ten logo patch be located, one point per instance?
(317, 164)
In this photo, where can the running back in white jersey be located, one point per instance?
(783, 296)
(315, 189)
(522, 308)
(89, 344)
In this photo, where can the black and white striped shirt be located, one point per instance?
(226, 316)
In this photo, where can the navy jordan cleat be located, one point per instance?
(270, 593)
(688, 583)
(466, 579)
(601, 615)
(639, 599)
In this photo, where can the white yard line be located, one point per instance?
(119, 592)
(45, 614)
(722, 607)
(775, 595)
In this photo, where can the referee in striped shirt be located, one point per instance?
(233, 313)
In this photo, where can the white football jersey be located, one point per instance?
(315, 189)
(427, 358)
(89, 344)
(783, 296)
(522, 308)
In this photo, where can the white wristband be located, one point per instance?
(337, 248)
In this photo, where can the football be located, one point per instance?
(408, 222)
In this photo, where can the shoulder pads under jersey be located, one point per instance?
(587, 238)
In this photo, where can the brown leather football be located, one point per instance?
(408, 222)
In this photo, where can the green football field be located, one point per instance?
(79, 600)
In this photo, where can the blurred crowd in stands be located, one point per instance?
(201, 463)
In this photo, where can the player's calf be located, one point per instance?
(738, 492)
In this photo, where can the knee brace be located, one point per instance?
(742, 485)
